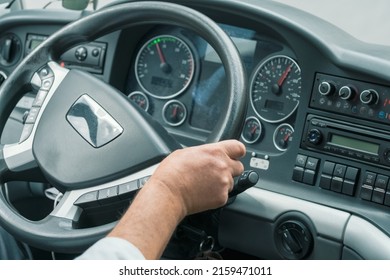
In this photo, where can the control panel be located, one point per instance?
(351, 97)
(89, 57)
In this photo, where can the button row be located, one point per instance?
(122, 192)
(47, 79)
(305, 169)
(339, 178)
(376, 188)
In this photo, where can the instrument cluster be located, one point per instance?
(179, 79)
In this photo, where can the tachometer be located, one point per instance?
(164, 66)
(276, 88)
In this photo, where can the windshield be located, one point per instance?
(366, 20)
(361, 19)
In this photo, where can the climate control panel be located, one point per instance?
(351, 97)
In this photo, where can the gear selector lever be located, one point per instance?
(247, 179)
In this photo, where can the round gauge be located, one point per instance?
(140, 99)
(276, 88)
(174, 113)
(252, 130)
(164, 66)
(283, 135)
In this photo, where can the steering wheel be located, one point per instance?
(84, 137)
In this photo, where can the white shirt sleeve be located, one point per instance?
(112, 248)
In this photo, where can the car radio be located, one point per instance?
(347, 140)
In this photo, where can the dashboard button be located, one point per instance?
(325, 181)
(378, 195)
(381, 181)
(348, 187)
(366, 192)
(337, 184)
(339, 170)
(309, 177)
(301, 160)
(298, 173)
(312, 163)
(387, 199)
(328, 167)
(369, 178)
(351, 174)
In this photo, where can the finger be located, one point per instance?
(233, 148)
(236, 167)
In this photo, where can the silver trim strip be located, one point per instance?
(66, 208)
(19, 156)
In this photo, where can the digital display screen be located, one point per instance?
(274, 105)
(35, 43)
(158, 81)
(207, 102)
(354, 144)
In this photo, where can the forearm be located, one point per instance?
(151, 219)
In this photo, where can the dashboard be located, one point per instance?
(316, 126)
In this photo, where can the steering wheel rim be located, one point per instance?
(56, 232)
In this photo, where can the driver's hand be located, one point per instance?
(200, 177)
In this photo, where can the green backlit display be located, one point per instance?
(354, 144)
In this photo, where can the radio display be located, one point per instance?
(351, 143)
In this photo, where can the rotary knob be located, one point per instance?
(369, 96)
(346, 92)
(294, 240)
(326, 88)
(314, 136)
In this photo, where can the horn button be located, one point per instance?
(90, 134)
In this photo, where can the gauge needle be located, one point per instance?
(284, 76)
(165, 67)
(160, 54)
(174, 112)
(286, 137)
(253, 130)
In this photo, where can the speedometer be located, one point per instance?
(276, 88)
(164, 66)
